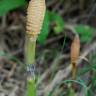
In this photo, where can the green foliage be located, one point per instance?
(58, 21)
(55, 19)
(51, 17)
(7, 5)
(79, 82)
(85, 32)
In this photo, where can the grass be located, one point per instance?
(79, 82)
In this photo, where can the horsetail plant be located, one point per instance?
(35, 17)
(75, 50)
(74, 54)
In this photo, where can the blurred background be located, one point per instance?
(63, 19)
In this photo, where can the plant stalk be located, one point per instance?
(30, 60)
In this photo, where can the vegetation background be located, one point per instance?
(63, 18)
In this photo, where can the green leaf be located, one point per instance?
(58, 21)
(45, 29)
(85, 32)
(7, 5)
(50, 17)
